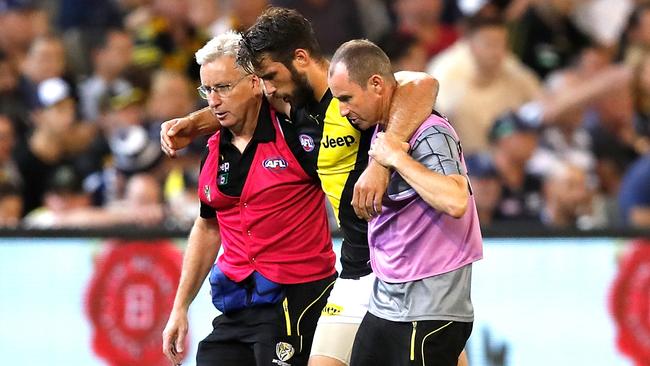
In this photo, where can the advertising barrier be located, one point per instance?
(551, 301)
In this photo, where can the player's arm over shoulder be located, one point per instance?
(412, 103)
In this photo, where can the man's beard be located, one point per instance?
(303, 93)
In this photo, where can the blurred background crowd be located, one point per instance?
(551, 99)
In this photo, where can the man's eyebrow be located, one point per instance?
(344, 97)
(268, 75)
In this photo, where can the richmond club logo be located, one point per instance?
(284, 351)
(307, 143)
(275, 163)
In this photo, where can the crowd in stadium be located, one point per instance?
(550, 98)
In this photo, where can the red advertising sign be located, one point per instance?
(630, 303)
(129, 300)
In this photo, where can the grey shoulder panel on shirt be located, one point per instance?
(438, 150)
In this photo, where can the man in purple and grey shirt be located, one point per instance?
(427, 236)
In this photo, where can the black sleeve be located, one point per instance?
(206, 211)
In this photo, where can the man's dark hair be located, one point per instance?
(478, 22)
(8, 189)
(362, 59)
(397, 44)
(277, 33)
(100, 39)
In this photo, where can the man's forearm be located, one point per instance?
(445, 193)
(412, 103)
(202, 248)
(204, 122)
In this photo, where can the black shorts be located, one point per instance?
(429, 342)
(271, 335)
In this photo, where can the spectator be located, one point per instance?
(209, 16)
(479, 81)
(63, 194)
(570, 201)
(564, 138)
(634, 195)
(587, 16)
(546, 38)
(111, 54)
(513, 144)
(244, 13)
(11, 205)
(334, 21)
(9, 172)
(57, 137)
(45, 60)
(610, 122)
(12, 104)
(635, 41)
(486, 186)
(404, 52)
(171, 95)
(68, 205)
(641, 90)
(18, 28)
(422, 19)
(164, 37)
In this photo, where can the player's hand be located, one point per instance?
(176, 134)
(369, 190)
(387, 150)
(174, 337)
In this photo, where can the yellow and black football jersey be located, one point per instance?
(338, 151)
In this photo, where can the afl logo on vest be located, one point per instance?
(307, 143)
(275, 164)
(129, 298)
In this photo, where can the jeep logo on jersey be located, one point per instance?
(307, 143)
(275, 163)
(346, 140)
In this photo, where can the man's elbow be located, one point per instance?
(428, 85)
(458, 207)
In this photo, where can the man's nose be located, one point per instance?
(344, 109)
(214, 99)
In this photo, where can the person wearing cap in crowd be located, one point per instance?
(513, 143)
(277, 267)
(486, 186)
(56, 137)
(424, 241)
(67, 204)
(122, 149)
(63, 194)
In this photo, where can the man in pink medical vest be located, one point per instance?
(424, 241)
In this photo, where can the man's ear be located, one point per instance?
(376, 83)
(256, 80)
(301, 58)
